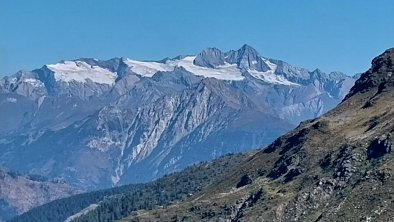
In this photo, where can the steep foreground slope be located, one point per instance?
(334, 168)
(19, 193)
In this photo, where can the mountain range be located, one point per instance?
(95, 124)
(337, 167)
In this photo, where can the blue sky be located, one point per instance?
(328, 34)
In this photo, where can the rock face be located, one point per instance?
(211, 58)
(98, 124)
(19, 194)
(380, 76)
(247, 58)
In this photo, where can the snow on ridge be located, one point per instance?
(148, 69)
(223, 72)
(79, 71)
(270, 76)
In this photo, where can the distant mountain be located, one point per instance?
(337, 167)
(97, 124)
(20, 193)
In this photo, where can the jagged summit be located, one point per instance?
(379, 76)
(247, 50)
(247, 58)
(210, 57)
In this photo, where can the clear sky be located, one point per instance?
(341, 35)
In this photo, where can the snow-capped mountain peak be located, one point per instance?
(213, 63)
(87, 76)
(247, 58)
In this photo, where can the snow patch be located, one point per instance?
(270, 76)
(79, 71)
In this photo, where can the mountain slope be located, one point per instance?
(97, 124)
(334, 168)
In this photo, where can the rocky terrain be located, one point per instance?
(97, 124)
